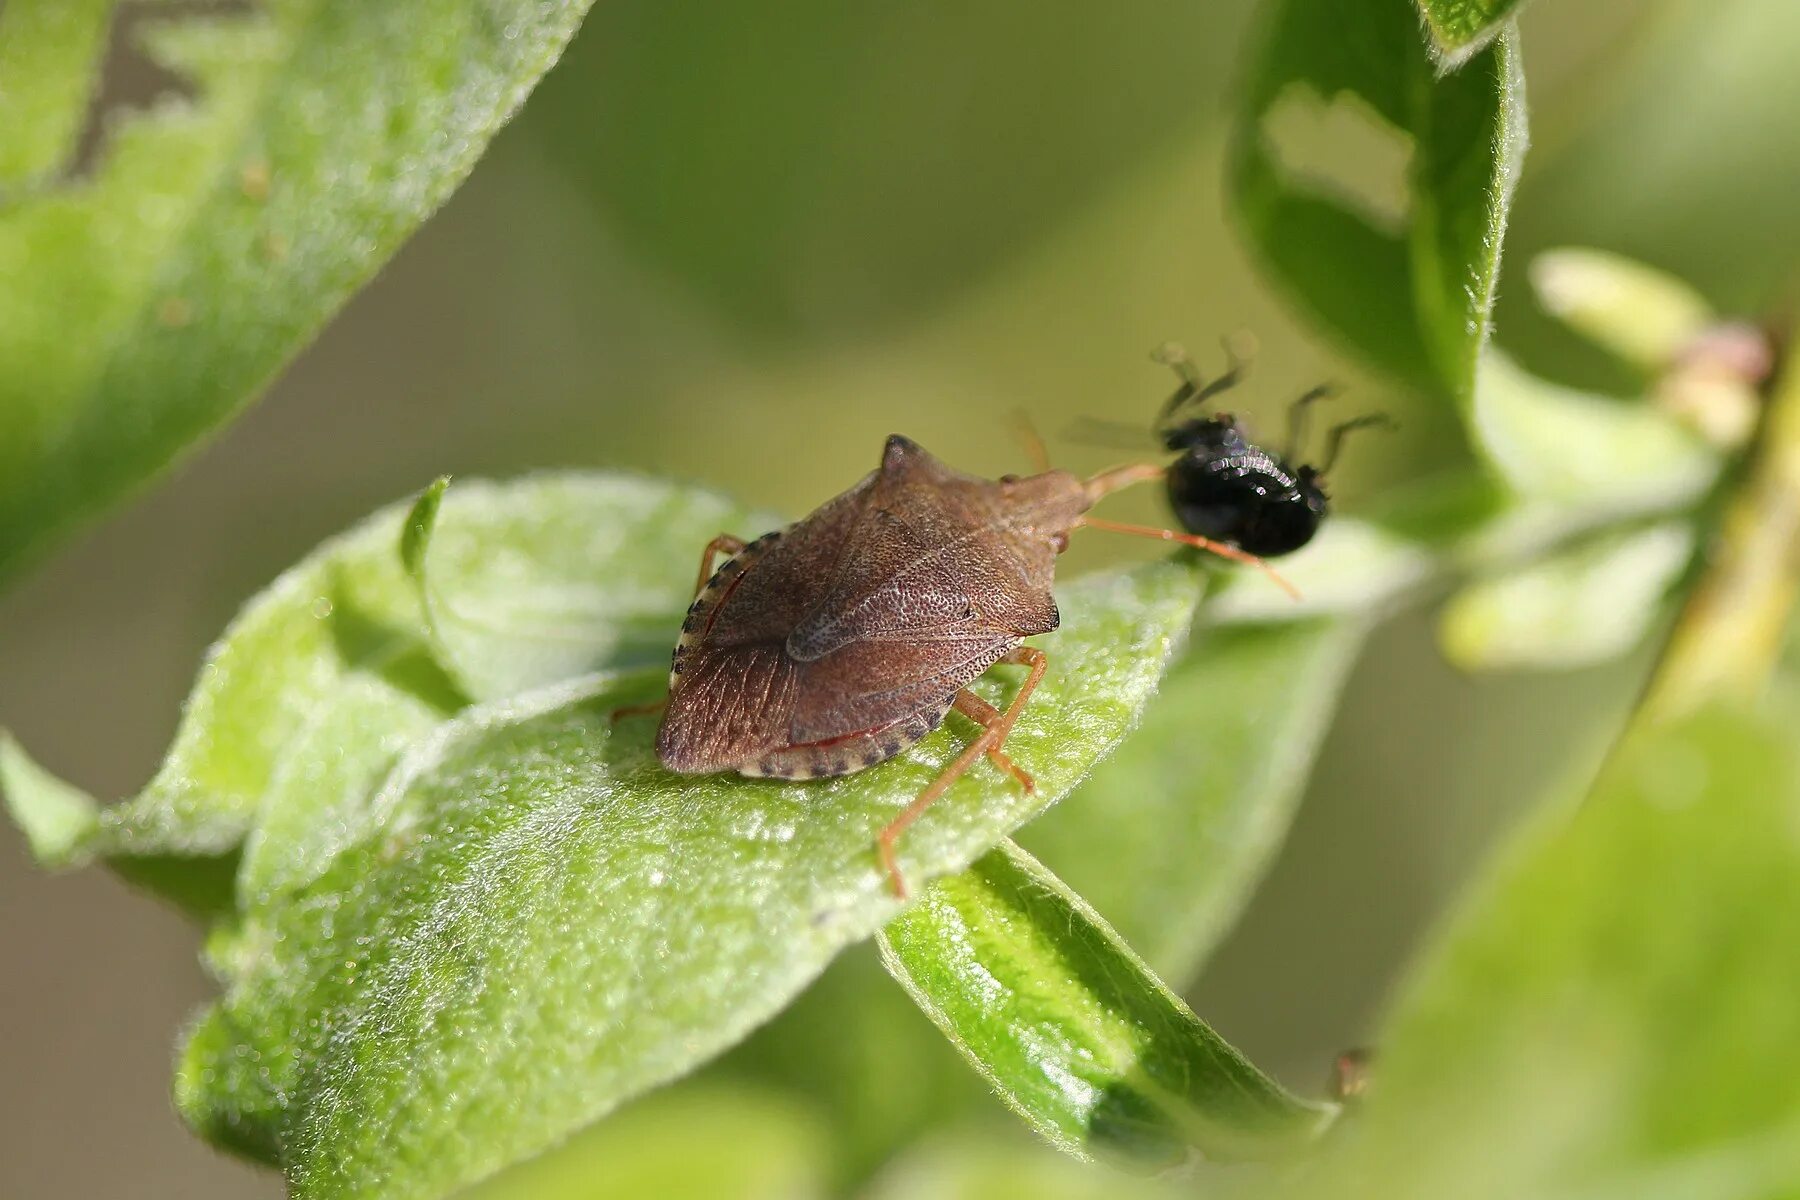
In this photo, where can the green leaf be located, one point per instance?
(1072, 1029)
(1459, 28)
(822, 126)
(49, 58)
(1575, 608)
(1645, 316)
(1571, 449)
(144, 304)
(1352, 567)
(541, 923)
(1413, 293)
(859, 1052)
(305, 703)
(967, 1168)
(526, 587)
(337, 633)
(1171, 834)
(1612, 1013)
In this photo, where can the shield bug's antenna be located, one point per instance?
(1032, 440)
(1109, 481)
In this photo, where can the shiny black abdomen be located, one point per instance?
(1228, 490)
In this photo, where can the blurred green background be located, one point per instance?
(739, 243)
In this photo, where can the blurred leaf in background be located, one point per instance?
(147, 296)
(885, 157)
(1402, 271)
(1170, 836)
(1681, 155)
(1611, 1014)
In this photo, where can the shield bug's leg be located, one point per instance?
(637, 710)
(723, 544)
(996, 726)
(986, 715)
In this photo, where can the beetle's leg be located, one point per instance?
(723, 544)
(1298, 411)
(995, 728)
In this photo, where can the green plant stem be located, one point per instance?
(1728, 638)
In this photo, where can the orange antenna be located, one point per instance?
(1115, 478)
(1031, 439)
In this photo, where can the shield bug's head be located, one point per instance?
(1224, 486)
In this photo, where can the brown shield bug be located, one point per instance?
(836, 643)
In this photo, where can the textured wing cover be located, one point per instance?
(883, 602)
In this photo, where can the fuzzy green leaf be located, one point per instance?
(1072, 1029)
(533, 921)
(307, 700)
(1171, 834)
(1412, 294)
(337, 633)
(527, 588)
(144, 304)
(1459, 28)
(1612, 1014)
(55, 816)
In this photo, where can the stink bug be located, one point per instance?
(836, 643)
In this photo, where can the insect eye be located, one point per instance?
(1009, 479)
(1059, 542)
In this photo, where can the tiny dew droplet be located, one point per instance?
(321, 607)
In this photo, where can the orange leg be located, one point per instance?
(996, 726)
(637, 710)
(987, 716)
(723, 544)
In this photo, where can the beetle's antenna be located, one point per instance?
(1336, 441)
(1222, 549)
(1033, 441)
(1298, 411)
